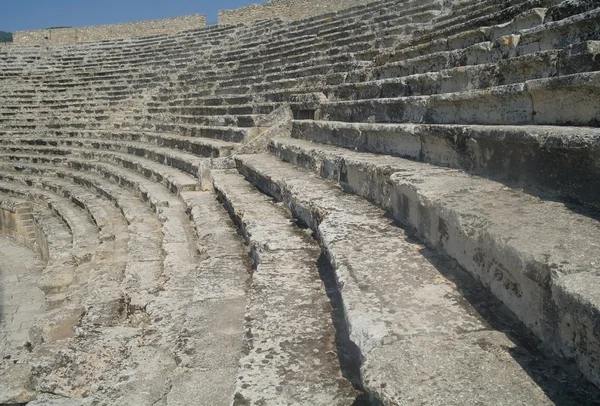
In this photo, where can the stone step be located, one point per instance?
(548, 101)
(291, 342)
(112, 266)
(523, 260)
(529, 28)
(214, 329)
(403, 81)
(82, 229)
(135, 143)
(93, 285)
(489, 49)
(168, 302)
(416, 333)
(59, 279)
(495, 13)
(175, 245)
(22, 300)
(558, 34)
(248, 120)
(55, 241)
(174, 179)
(553, 162)
(17, 223)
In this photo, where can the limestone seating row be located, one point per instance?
(582, 27)
(187, 124)
(254, 61)
(540, 282)
(83, 231)
(404, 85)
(328, 23)
(504, 11)
(550, 101)
(203, 140)
(291, 45)
(425, 66)
(192, 161)
(551, 162)
(494, 31)
(199, 146)
(291, 340)
(141, 236)
(78, 54)
(16, 220)
(61, 75)
(100, 161)
(215, 318)
(576, 59)
(61, 276)
(129, 277)
(166, 209)
(563, 64)
(391, 334)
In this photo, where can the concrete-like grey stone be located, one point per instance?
(376, 317)
(291, 350)
(147, 283)
(478, 225)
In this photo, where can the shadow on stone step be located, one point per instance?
(348, 353)
(560, 379)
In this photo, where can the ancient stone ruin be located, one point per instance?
(395, 203)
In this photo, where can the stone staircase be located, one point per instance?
(393, 204)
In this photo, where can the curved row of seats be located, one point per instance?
(437, 207)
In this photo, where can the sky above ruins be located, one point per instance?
(35, 14)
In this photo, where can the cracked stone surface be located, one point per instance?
(20, 301)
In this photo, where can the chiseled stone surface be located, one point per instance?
(291, 343)
(20, 302)
(408, 309)
(538, 272)
(151, 298)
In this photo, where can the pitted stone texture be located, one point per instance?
(292, 354)
(398, 300)
(540, 271)
(20, 301)
(20, 298)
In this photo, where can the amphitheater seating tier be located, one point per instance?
(393, 204)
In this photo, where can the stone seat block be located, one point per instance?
(553, 161)
(190, 160)
(286, 266)
(83, 231)
(432, 201)
(368, 272)
(549, 101)
(172, 178)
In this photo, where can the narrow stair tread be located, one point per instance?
(403, 337)
(292, 342)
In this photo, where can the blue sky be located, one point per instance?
(34, 14)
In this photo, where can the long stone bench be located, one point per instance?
(400, 249)
(177, 277)
(401, 337)
(558, 161)
(16, 220)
